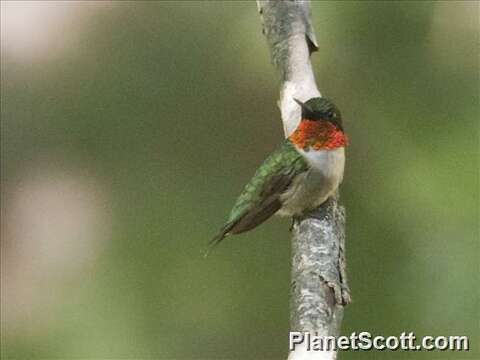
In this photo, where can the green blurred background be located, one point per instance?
(128, 129)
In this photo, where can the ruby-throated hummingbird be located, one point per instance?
(299, 176)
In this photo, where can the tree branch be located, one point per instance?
(319, 287)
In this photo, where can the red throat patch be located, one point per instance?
(319, 135)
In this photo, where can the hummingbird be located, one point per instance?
(299, 176)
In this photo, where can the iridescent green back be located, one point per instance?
(284, 164)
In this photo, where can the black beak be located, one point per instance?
(302, 105)
(299, 102)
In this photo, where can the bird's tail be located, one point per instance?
(217, 239)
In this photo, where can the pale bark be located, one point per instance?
(319, 289)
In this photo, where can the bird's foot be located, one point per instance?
(292, 225)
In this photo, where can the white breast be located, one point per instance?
(313, 187)
(328, 162)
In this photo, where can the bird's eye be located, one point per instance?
(331, 114)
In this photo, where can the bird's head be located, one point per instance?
(320, 127)
(321, 109)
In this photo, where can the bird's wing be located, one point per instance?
(261, 197)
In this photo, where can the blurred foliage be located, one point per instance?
(172, 106)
